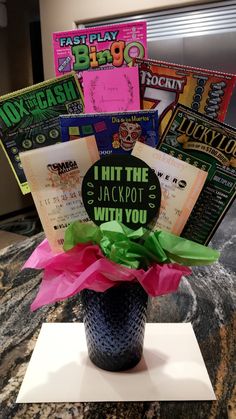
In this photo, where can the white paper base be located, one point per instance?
(172, 368)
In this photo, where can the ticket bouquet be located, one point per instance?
(119, 257)
(122, 238)
(115, 186)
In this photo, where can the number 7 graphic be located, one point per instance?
(163, 100)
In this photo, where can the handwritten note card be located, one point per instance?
(111, 90)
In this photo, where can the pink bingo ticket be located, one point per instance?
(95, 48)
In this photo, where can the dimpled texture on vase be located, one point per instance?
(114, 323)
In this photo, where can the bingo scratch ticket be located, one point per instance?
(163, 85)
(210, 146)
(95, 48)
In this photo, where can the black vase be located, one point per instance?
(114, 323)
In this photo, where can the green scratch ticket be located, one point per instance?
(29, 118)
(211, 146)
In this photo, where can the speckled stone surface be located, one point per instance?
(206, 299)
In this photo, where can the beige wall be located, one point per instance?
(19, 51)
(11, 198)
(58, 15)
(16, 72)
(15, 49)
(4, 76)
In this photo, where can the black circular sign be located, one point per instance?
(122, 188)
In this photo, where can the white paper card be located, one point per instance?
(172, 368)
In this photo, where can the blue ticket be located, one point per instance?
(114, 132)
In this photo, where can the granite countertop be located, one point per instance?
(206, 299)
